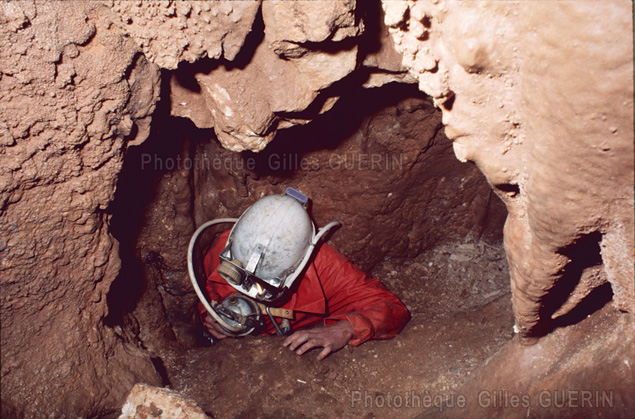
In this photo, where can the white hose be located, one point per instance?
(310, 250)
(190, 268)
(199, 293)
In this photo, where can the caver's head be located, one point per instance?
(269, 246)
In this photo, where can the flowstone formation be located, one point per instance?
(540, 97)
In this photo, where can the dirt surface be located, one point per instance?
(558, 377)
(458, 295)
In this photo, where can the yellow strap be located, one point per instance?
(285, 313)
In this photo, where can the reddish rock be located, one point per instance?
(558, 377)
(75, 94)
(540, 97)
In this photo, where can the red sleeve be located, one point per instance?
(373, 311)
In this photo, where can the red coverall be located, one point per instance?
(332, 289)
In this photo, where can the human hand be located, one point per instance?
(332, 338)
(214, 328)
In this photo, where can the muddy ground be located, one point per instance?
(461, 315)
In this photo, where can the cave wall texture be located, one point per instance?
(378, 162)
(539, 95)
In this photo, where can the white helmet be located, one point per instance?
(270, 245)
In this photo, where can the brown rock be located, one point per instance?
(537, 115)
(74, 95)
(248, 103)
(309, 22)
(172, 32)
(558, 376)
(292, 61)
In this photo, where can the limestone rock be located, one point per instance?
(528, 92)
(558, 376)
(75, 94)
(248, 104)
(169, 32)
(146, 402)
(291, 25)
(288, 72)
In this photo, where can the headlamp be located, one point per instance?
(267, 250)
(232, 271)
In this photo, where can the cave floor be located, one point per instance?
(459, 297)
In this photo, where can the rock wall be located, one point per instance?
(298, 55)
(79, 84)
(75, 94)
(378, 162)
(540, 97)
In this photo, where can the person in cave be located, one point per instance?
(270, 274)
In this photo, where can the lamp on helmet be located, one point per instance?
(266, 251)
(269, 246)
